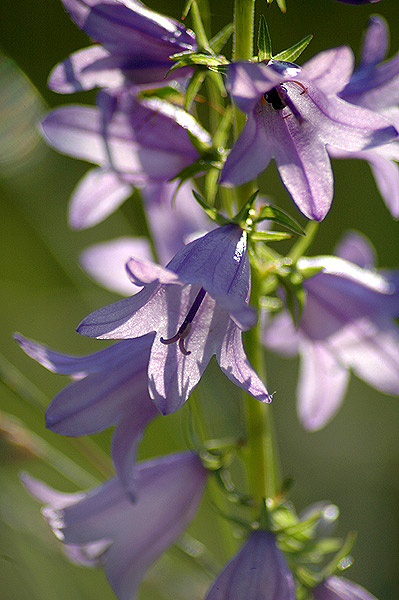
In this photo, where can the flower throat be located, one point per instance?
(185, 327)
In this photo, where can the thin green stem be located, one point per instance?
(244, 11)
(303, 243)
(260, 452)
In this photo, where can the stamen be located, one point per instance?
(185, 327)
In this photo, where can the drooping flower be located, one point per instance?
(135, 142)
(198, 306)
(258, 571)
(339, 588)
(103, 527)
(374, 84)
(348, 323)
(111, 388)
(293, 113)
(134, 46)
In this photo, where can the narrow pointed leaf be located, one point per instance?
(294, 51)
(193, 88)
(264, 41)
(210, 211)
(270, 236)
(221, 38)
(273, 213)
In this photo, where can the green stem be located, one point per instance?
(242, 43)
(303, 243)
(260, 452)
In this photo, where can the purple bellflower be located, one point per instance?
(134, 46)
(374, 84)
(258, 571)
(348, 323)
(102, 527)
(339, 588)
(293, 113)
(111, 388)
(173, 219)
(135, 142)
(198, 306)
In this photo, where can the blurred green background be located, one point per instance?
(353, 462)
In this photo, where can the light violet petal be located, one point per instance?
(259, 571)
(169, 492)
(338, 588)
(219, 262)
(341, 124)
(279, 334)
(47, 495)
(356, 248)
(129, 25)
(302, 162)
(371, 349)
(249, 156)
(84, 70)
(172, 216)
(105, 262)
(127, 318)
(80, 366)
(375, 41)
(234, 363)
(75, 130)
(96, 196)
(321, 386)
(173, 375)
(330, 70)
(99, 400)
(143, 272)
(386, 175)
(127, 436)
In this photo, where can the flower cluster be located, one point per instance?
(175, 318)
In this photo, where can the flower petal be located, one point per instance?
(375, 41)
(258, 571)
(105, 262)
(169, 492)
(280, 335)
(338, 588)
(330, 70)
(321, 386)
(234, 363)
(356, 248)
(249, 156)
(98, 194)
(85, 70)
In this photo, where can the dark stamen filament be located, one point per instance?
(185, 327)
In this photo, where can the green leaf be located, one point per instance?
(273, 213)
(212, 213)
(197, 167)
(199, 30)
(193, 87)
(294, 51)
(186, 9)
(280, 3)
(264, 41)
(193, 59)
(243, 214)
(221, 38)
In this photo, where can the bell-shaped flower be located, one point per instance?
(348, 323)
(110, 388)
(374, 84)
(258, 571)
(198, 306)
(293, 114)
(135, 142)
(339, 588)
(134, 45)
(103, 527)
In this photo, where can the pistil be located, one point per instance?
(185, 327)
